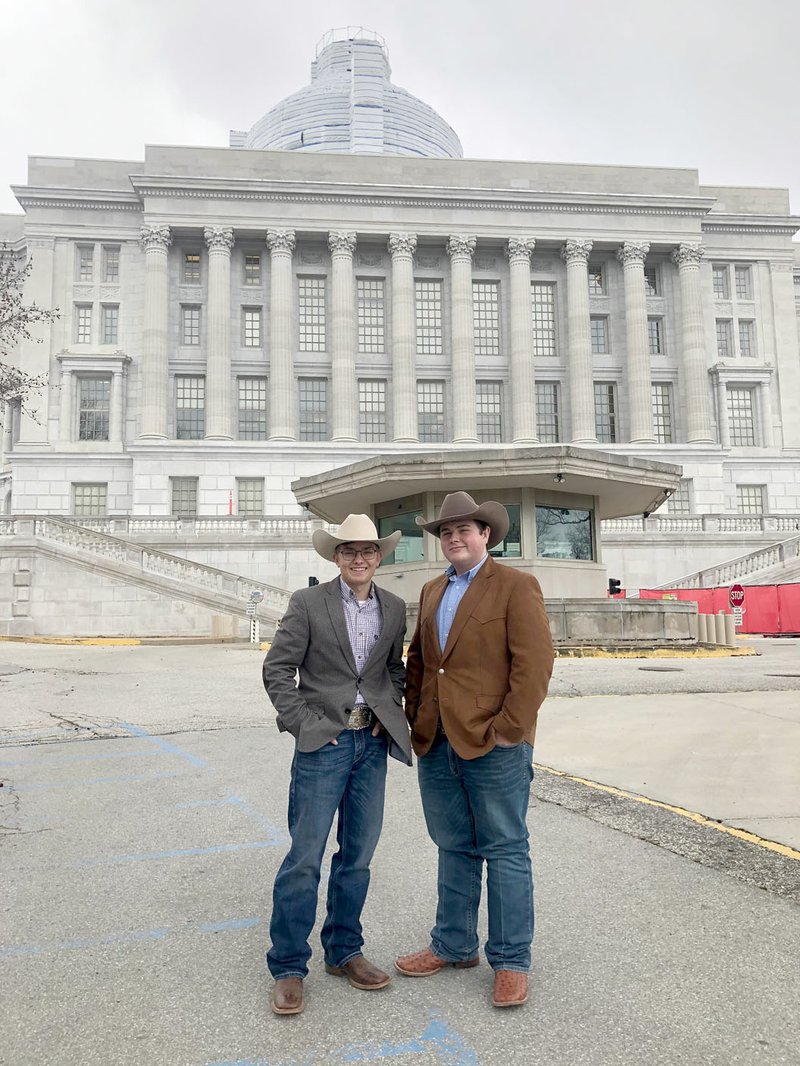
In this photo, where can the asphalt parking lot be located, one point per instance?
(143, 820)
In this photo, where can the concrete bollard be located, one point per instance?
(730, 631)
(719, 628)
(702, 629)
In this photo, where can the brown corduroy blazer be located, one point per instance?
(494, 670)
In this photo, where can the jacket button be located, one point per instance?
(441, 670)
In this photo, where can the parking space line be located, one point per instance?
(163, 744)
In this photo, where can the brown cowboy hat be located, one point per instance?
(459, 505)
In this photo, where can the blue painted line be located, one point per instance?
(49, 760)
(231, 800)
(83, 782)
(179, 853)
(138, 936)
(163, 744)
(438, 1039)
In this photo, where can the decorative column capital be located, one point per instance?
(402, 243)
(461, 245)
(687, 255)
(520, 249)
(576, 251)
(281, 240)
(342, 242)
(633, 252)
(218, 238)
(155, 237)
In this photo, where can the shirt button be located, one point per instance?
(441, 671)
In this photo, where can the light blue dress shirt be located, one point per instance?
(453, 594)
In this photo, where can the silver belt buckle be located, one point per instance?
(359, 718)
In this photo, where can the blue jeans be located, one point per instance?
(348, 777)
(475, 810)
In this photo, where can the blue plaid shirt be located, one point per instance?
(453, 594)
(364, 620)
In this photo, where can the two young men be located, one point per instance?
(477, 671)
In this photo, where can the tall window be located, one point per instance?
(89, 500)
(110, 264)
(486, 317)
(430, 405)
(311, 309)
(543, 311)
(110, 323)
(313, 408)
(750, 499)
(190, 407)
(662, 413)
(252, 408)
(680, 502)
(250, 496)
(184, 496)
(724, 340)
(747, 338)
(599, 332)
(83, 324)
(429, 317)
(741, 424)
(489, 404)
(372, 410)
(651, 286)
(190, 325)
(191, 268)
(252, 270)
(548, 418)
(596, 280)
(719, 281)
(744, 283)
(655, 336)
(371, 316)
(94, 407)
(85, 262)
(605, 412)
(251, 327)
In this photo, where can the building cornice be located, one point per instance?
(781, 225)
(75, 199)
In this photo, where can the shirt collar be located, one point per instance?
(450, 572)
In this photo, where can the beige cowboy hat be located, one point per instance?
(355, 527)
(459, 505)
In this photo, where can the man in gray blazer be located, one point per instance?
(335, 676)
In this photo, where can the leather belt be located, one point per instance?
(360, 717)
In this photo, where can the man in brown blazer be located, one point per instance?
(477, 672)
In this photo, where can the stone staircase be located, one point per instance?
(145, 567)
(776, 563)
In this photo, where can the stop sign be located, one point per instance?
(736, 596)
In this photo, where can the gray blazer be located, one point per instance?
(312, 642)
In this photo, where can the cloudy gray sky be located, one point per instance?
(710, 84)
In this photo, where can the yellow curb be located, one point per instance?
(652, 653)
(101, 641)
(700, 819)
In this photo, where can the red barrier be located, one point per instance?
(771, 610)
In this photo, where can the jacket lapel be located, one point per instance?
(431, 606)
(469, 601)
(333, 601)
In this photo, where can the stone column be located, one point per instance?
(115, 419)
(693, 355)
(721, 391)
(404, 338)
(65, 423)
(765, 414)
(460, 248)
(344, 388)
(8, 418)
(632, 255)
(219, 240)
(523, 387)
(282, 382)
(575, 254)
(153, 368)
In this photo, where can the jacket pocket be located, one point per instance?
(493, 704)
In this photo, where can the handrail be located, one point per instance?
(740, 567)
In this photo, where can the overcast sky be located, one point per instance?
(710, 84)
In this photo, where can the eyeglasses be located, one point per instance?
(367, 554)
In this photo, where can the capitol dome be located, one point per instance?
(351, 105)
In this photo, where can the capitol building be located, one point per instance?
(339, 312)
